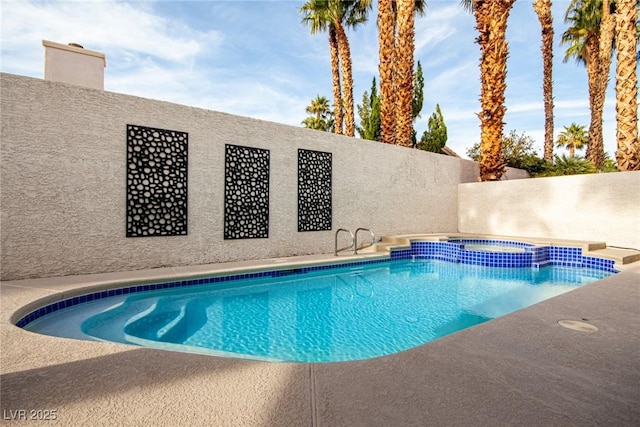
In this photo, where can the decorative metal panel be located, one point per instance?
(246, 192)
(314, 190)
(156, 182)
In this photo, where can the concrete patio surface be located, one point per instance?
(521, 369)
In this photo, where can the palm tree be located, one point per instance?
(628, 153)
(595, 154)
(315, 17)
(564, 165)
(340, 14)
(338, 110)
(396, 39)
(590, 40)
(405, 47)
(347, 13)
(491, 22)
(543, 10)
(574, 137)
(320, 112)
(386, 43)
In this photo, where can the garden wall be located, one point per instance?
(69, 195)
(600, 207)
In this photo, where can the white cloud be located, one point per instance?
(525, 107)
(571, 104)
(120, 30)
(459, 76)
(439, 24)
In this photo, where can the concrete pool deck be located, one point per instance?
(520, 369)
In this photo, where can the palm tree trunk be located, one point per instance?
(386, 46)
(628, 153)
(335, 72)
(404, 72)
(347, 81)
(543, 10)
(595, 149)
(591, 64)
(491, 23)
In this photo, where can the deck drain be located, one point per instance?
(577, 325)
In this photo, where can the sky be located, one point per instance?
(257, 59)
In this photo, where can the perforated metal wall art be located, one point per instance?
(314, 190)
(156, 182)
(246, 192)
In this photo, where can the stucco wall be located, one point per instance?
(63, 183)
(600, 207)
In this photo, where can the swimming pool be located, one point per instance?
(315, 314)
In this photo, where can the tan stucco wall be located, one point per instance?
(63, 183)
(604, 207)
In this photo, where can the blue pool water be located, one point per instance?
(345, 313)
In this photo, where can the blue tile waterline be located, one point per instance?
(70, 302)
(534, 257)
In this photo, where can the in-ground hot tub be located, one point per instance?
(506, 253)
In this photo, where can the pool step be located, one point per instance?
(169, 321)
(387, 243)
(619, 255)
(109, 325)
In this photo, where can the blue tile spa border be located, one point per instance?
(535, 257)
